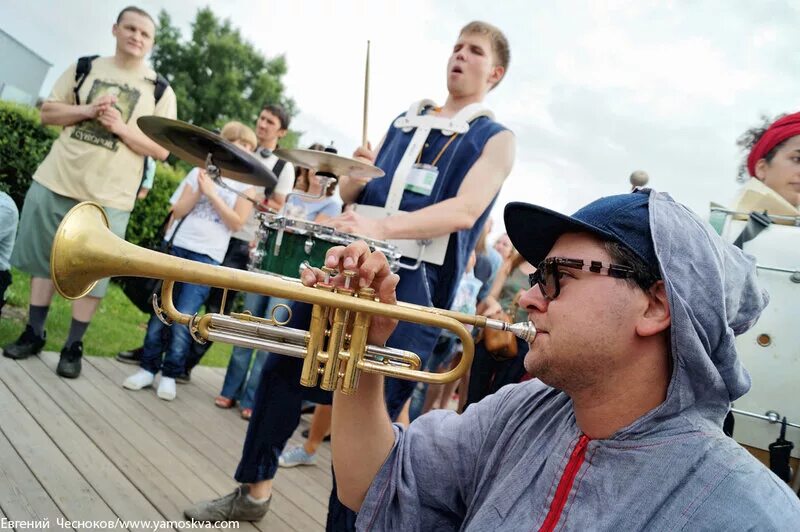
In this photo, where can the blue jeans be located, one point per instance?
(187, 298)
(238, 385)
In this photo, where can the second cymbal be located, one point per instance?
(321, 161)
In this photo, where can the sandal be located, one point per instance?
(247, 413)
(224, 402)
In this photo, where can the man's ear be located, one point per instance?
(656, 317)
(282, 133)
(496, 75)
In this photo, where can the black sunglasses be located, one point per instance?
(547, 277)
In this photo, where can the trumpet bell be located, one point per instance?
(73, 267)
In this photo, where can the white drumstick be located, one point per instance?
(366, 101)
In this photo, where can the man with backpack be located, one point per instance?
(98, 156)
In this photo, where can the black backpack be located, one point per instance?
(85, 66)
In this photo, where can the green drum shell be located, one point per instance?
(292, 252)
(304, 241)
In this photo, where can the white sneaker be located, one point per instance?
(140, 379)
(166, 388)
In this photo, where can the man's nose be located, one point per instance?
(533, 299)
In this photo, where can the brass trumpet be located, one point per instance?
(335, 346)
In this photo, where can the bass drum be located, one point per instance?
(770, 350)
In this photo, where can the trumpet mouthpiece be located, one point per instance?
(524, 330)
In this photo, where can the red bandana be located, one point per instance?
(780, 130)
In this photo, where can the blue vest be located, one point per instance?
(433, 285)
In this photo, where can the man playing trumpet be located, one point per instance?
(636, 302)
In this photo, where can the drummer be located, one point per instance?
(773, 164)
(471, 169)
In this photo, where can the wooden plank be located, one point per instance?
(151, 456)
(315, 480)
(120, 439)
(211, 481)
(186, 407)
(290, 503)
(22, 497)
(52, 412)
(73, 495)
(184, 456)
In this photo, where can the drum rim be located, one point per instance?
(328, 234)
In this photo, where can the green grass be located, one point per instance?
(117, 325)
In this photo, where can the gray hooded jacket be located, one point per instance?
(499, 465)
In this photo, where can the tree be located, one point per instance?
(218, 76)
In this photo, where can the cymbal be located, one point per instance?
(322, 161)
(193, 144)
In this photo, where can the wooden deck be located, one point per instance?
(87, 449)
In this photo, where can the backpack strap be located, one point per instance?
(85, 66)
(277, 168)
(161, 86)
(81, 71)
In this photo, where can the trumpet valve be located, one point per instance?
(329, 272)
(349, 275)
(366, 293)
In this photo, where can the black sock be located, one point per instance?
(36, 318)
(76, 331)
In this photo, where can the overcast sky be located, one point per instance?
(594, 91)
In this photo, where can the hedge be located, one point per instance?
(24, 142)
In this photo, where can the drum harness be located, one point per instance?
(428, 250)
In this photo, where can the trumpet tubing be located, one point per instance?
(334, 349)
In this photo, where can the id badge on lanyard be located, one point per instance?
(421, 178)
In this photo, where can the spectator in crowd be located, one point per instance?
(503, 246)
(487, 261)
(491, 370)
(149, 175)
(99, 139)
(771, 170)
(9, 217)
(272, 125)
(448, 347)
(205, 216)
(241, 380)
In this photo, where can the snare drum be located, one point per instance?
(770, 350)
(286, 245)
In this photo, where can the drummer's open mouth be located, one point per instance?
(457, 69)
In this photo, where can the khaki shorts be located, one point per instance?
(42, 212)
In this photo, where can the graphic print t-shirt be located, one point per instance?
(88, 162)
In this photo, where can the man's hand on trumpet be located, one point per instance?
(373, 271)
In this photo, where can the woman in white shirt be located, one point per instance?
(205, 216)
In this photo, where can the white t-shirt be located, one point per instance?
(203, 230)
